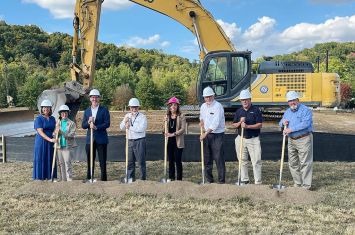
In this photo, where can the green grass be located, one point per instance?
(134, 213)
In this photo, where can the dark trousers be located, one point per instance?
(213, 150)
(137, 151)
(102, 152)
(174, 156)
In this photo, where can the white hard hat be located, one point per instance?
(292, 95)
(245, 94)
(208, 91)
(133, 102)
(94, 92)
(63, 108)
(46, 103)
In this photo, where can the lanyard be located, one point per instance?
(132, 123)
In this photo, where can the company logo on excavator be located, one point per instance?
(150, 1)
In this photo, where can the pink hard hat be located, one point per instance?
(173, 100)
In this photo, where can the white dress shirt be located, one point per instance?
(137, 125)
(213, 117)
(94, 112)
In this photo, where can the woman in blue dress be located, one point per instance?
(43, 150)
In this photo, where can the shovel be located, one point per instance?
(202, 158)
(279, 186)
(240, 157)
(92, 180)
(55, 152)
(126, 180)
(165, 179)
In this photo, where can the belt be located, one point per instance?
(249, 137)
(300, 136)
(136, 139)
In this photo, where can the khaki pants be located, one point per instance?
(300, 160)
(65, 164)
(251, 146)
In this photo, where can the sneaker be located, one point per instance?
(69, 179)
(258, 183)
(296, 185)
(89, 181)
(307, 187)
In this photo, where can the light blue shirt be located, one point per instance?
(299, 121)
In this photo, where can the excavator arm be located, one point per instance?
(198, 20)
(86, 27)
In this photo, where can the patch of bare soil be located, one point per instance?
(177, 189)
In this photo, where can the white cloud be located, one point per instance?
(260, 29)
(138, 41)
(165, 44)
(231, 30)
(262, 38)
(65, 8)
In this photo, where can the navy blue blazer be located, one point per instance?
(102, 122)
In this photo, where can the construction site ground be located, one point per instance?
(323, 121)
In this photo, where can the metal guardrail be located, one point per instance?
(3, 148)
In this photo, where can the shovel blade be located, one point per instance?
(126, 180)
(164, 180)
(278, 186)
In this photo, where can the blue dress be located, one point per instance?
(43, 150)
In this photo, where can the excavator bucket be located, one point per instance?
(59, 97)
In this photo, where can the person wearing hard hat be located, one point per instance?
(213, 122)
(43, 149)
(136, 123)
(66, 130)
(298, 126)
(248, 117)
(175, 132)
(96, 117)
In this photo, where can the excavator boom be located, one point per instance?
(195, 18)
(86, 27)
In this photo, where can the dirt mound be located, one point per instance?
(182, 189)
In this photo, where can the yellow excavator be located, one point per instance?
(223, 68)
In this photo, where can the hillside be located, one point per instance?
(32, 60)
(36, 60)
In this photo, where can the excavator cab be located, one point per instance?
(227, 73)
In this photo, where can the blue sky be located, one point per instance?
(266, 27)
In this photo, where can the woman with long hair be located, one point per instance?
(43, 149)
(175, 132)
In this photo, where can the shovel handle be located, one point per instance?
(282, 157)
(126, 154)
(91, 154)
(240, 156)
(55, 151)
(202, 157)
(165, 147)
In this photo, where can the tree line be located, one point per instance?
(32, 60)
